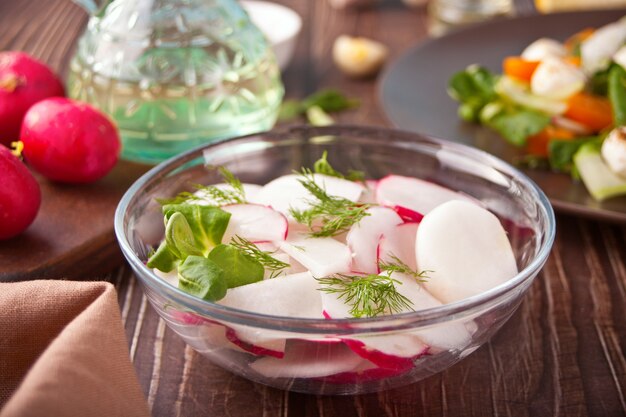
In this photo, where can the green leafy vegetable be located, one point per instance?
(617, 94)
(328, 215)
(369, 295)
(328, 101)
(206, 223)
(322, 166)
(399, 266)
(162, 259)
(516, 124)
(239, 268)
(180, 238)
(561, 152)
(473, 87)
(202, 278)
(264, 258)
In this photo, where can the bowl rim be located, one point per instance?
(420, 318)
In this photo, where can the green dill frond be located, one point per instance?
(221, 196)
(264, 258)
(368, 295)
(328, 215)
(398, 266)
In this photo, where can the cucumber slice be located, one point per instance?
(520, 94)
(601, 182)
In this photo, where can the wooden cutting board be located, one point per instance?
(73, 231)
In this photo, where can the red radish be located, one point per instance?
(408, 215)
(23, 82)
(272, 297)
(322, 256)
(399, 242)
(363, 237)
(305, 359)
(69, 141)
(287, 192)
(395, 351)
(365, 372)
(414, 194)
(255, 223)
(467, 250)
(20, 196)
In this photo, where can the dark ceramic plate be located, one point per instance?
(413, 94)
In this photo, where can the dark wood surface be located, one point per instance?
(562, 353)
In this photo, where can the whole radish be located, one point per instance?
(69, 141)
(23, 82)
(20, 195)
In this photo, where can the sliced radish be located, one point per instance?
(405, 193)
(395, 351)
(322, 256)
(466, 249)
(399, 242)
(408, 215)
(369, 193)
(289, 296)
(308, 360)
(367, 371)
(249, 190)
(286, 192)
(440, 337)
(255, 222)
(363, 237)
(272, 297)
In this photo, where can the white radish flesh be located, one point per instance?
(286, 192)
(399, 242)
(308, 360)
(363, 237)
(322, 256)
(255, 223)
(466, 249)
(276, 297)
(369, 193)
(414, 194)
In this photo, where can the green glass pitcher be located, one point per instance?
(174, 74)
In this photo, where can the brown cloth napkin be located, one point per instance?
(63, 352)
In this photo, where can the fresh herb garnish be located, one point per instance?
(322, 166)
(327, 101)
(264, 258)
(369, 295)
(219, 196)
(328, 215)
(399, 266)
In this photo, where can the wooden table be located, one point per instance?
(562, 353)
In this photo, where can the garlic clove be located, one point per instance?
(359, 57)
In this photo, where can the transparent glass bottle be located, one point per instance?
(175, 73)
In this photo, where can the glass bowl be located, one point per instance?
(319, 360)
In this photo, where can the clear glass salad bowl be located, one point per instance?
(320, 365)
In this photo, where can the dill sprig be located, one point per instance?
(399, 266)
(264, 258)
(220, 196)
(334, 214)
(368, 295)
(322, 166)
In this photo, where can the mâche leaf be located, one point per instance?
(162, 259)
(264, 258)
(239, 268)
(207, 224)
(516, 124)
(202, 278)
(180, 238)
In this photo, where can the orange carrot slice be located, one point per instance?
(593, 111)
(537, 145)
(517, 67)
